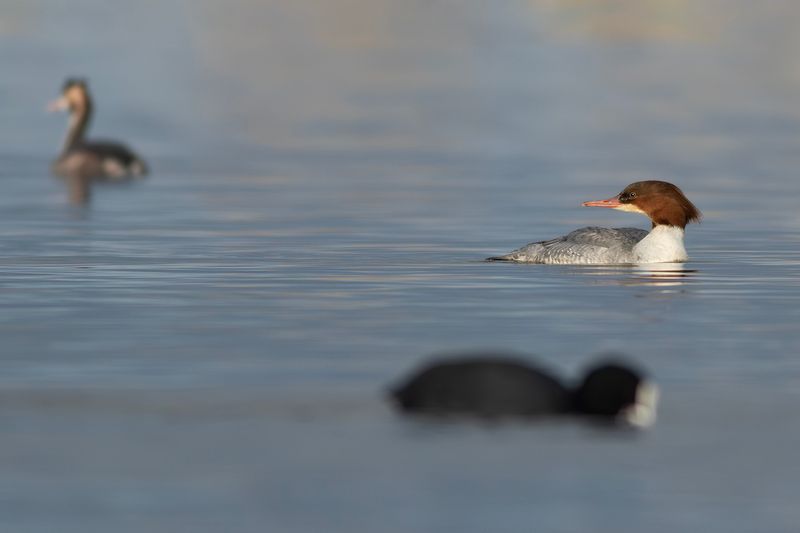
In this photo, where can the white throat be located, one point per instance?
(664, 244)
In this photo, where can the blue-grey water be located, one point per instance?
(207, 350)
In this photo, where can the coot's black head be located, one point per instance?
(617, 393)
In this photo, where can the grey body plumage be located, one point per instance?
(590, 245)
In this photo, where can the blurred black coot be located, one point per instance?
(492, 387)
(80, 158)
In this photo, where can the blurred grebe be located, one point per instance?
(489, 386)
(90, 159)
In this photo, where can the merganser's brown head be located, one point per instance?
(664, 203)
(74, 96)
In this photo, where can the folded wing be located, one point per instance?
(590, 245)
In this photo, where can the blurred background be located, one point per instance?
(207, 349)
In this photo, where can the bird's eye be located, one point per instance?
(631, 195)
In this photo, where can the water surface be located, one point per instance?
(208, 349)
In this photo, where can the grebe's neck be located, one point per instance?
(664, 244)
(78, 124)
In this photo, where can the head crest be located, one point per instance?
(664, 202)
(75, 82)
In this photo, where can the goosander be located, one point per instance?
(491, 386)
(84, 159)
(664, 203)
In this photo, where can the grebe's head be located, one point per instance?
(74, 96)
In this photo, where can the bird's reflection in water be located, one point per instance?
(651, 274)
(660, 275)
(79, 189)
